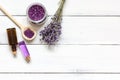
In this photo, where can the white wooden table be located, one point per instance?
(89, 48)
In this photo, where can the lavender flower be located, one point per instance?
(52, 32)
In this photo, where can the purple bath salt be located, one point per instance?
(24, 49)
(29, 33)
(36, 12)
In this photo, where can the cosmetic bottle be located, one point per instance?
(24, 50)
(12, 39)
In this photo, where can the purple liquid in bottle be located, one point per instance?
(24, 49)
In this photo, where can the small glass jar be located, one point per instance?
(36, 13)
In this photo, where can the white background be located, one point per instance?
(89, 48)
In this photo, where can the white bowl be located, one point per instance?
(38, 22)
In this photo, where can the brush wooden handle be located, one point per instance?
(10, 17)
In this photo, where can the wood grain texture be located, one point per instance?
(75, 30)
(59, 77)
(72, 7)
(89, 48)
(62, 58)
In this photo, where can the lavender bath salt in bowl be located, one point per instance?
(36, 13)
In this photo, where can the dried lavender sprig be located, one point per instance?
(52, 32)
(57, 15)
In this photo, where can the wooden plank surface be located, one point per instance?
(63, 58)
(88, 49)
(58, 77)
(75, 30)
(72, 7)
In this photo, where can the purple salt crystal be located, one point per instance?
(36, 12)
(29, 33)
(24, 49)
